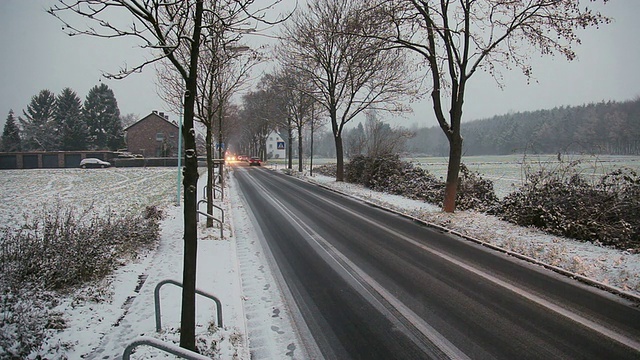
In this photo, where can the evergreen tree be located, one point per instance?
(68, 115)
(11, 135)
(103, 119)
(40, 130)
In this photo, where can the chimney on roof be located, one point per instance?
(166, 117)
(162, 115)
(155, 112)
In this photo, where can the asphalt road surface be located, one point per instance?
(370, 284)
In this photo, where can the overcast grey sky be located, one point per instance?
(37, 55)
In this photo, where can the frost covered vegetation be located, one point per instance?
(52, 250)
(61, 247)
(558, 200)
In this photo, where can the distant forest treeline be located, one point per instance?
(602, 128)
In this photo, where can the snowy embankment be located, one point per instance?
(102, 328)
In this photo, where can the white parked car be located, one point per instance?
(94, 163)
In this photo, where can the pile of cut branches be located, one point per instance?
(565, 204)
(391, 175)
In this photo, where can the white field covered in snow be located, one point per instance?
(103, 318)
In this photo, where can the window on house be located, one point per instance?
(270, 146)
(159, 136)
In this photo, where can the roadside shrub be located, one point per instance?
(374, 172)
(60, 247)
(475, 192)
(25, 320)
(564, 203)
(326, 170)
(391, 175)
(56, 250)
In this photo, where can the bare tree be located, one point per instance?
(225, 65)
(316, 121)
(171, 30)
(376, 138)
(129, 119)
(265, 110)
(456, 38)
(356, 140)
(349, 72)
(381, 139)
(256, 126)
(295, 95)
(224, 72)
(163, 27)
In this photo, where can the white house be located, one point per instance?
(276, 146)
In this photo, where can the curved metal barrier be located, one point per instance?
(216, 189)
(161, 345)
(220, 221)
(156, 295)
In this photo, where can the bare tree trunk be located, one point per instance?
(339, 158)
(299, 148)
(211, 177)
(188, 313)
(221, 146)
(290, 145)
(313, 116)
(453, 171)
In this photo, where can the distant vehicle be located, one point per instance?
(255, 161)
(94, 163)
(242, 157)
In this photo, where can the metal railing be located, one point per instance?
(156, 295)
(217, 189)
(210, 216)
(220, 190)
(161, 345)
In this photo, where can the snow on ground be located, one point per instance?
(102, 325)
(103, 318)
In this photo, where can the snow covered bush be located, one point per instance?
(58, 249)
(326, 170)
(25, 321)
(391, 175)
(564, 203)
(475, 192)
(61, 247)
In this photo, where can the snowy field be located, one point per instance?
(126, 190)
(103, 318)
(508, 171)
